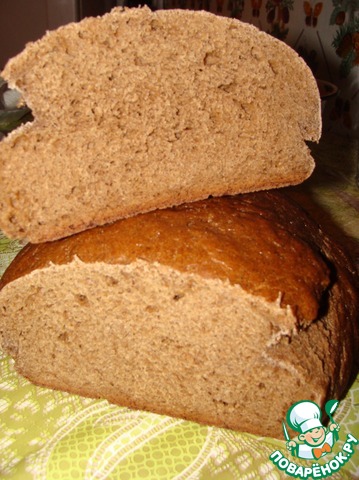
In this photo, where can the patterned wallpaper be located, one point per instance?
(325, 34)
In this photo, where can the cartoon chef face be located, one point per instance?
(313, 437)
(305, 418)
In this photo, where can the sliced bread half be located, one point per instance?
(139, 110)
(225, 311)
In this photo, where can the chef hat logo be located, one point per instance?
(304, 416)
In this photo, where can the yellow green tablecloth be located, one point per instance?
(51, 435)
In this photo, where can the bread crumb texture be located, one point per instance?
(138, 110)
(149, 337)
(146, 336)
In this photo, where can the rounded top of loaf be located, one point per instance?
(260, 241)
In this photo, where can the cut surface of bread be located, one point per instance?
(139, 110)
(171, 325)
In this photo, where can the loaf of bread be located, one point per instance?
(139, 110)
(223, 311)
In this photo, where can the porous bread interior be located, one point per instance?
(139, 110)
(146, 336)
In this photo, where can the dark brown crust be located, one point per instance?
(259, 241)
